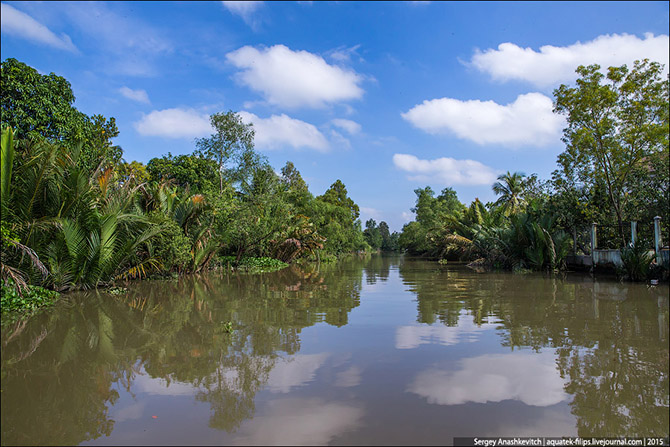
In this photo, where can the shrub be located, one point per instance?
(636, 261)
(170, 246)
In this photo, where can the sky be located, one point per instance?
(385, 96)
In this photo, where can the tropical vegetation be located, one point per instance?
(76, 215)
(615, 169)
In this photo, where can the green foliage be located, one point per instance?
(41, 106)
(636, 259)
(117, 291)
(373, 235)
(337, 195)
(436, 218)
(231, 147)
(297, 192)
(75, 215)
(616, 167)
(615, 123)
(252, 264)
(27, 301)
(192, 172)
(6, 162)
(38, 104)
(379, 237)
(170, 245)
(511, 189)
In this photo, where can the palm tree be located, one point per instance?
(510, 187)
(84, 229)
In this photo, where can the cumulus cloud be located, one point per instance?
(281, 130)
(174, 123)
(528, 121)
(351, 127)
(135, 95)
(19, 24)
(447, 171)
(294, 79)
(528, 377)
(552, 65)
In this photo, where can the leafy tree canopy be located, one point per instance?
(231, 146)
(337, 195)
(197, 173)
(41, 106)
(615, 123)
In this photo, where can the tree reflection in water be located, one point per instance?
(611, 338)
(60, 369)
(63, 370)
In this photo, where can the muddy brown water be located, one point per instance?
(371, 350)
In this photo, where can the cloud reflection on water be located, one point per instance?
(297, 421)
(410, 337)
(294, 371)
(531, 378)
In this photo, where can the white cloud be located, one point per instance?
(553, 65)
(300, 422)
(281, 130)
(528, 377)
(351, 127)
(447, 171)
(174, 123)
(19, 24)
(369, 213)
(294, 79)
(339, 140)
(343, 54)
(244, 9)
(124, 44)
(528, 121)
(135, 95)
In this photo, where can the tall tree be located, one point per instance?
(41, 106)
(297, 190)
(510, 188)
(337, 195)
(615, 122)
(232, 142)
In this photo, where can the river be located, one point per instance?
(369, 350)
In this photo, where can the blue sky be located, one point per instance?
(386, 96)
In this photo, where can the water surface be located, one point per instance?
(371, 350)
